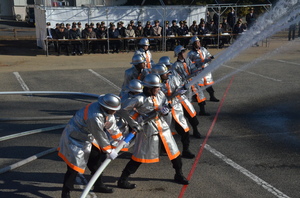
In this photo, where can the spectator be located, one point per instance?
(92, 25)
(134, 27)
(217, 16)
(130, 31)
(122, 33)
(202, 31)
(68, 27)
(50, 31)
(74, 33)
(90, 34)
(139, 32)
(167, 29)
(139, 23)
(292, 30)
(114, 33)
(231, 18)
(244, 26)
(237, 29)
(148, 30)
(212, 28)
(174, 27)
(103, 25)
(250, 18)
(157, 29)
(62, 34)
(222, 39)
(102, 44)
(225, 25)
(194, 28)
(51, 34)
(208, 17)
(181, 31)
(80, 28)
(121, 29)
(185, 24)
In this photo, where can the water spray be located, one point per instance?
(283, 14)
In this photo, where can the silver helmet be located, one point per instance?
(165, 60)
(110, 101)
(178, 49)
(159, 69)
(194, 39)
(152, 80)
(135, 85)
(144, 41)
(137, 59)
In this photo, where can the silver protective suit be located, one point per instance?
(185, 68)
(130, 74)
(200, 58)
(170, 88)
(147, 55)
(90, 125)
(147, 142)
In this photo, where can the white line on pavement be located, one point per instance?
(256, 179)
(8, 137)
(282, 61)
(255, 74)
(105, 79)
(21, 81)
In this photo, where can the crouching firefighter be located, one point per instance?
(150, 136)
(85, 141)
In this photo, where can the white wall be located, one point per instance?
(20, 2)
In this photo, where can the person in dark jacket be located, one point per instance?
(74, 33)
(231, 18)
(148, 30)
(63, 34)
(114, 33)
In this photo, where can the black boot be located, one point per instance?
(185, 139)
(196, 133)
(186, 153)
(177, 165)
(123, 181)
(211, 92)
(65, 193)
(101, 187)
(179, 178)
(202, 109)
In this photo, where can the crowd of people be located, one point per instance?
(154, 94)
(175, 30)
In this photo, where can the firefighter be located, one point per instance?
(174, 91)
(166, 61)
(137, 71)
(185, 68)
(85, 141)
(150, 136)
(144, 51)
(201, 57)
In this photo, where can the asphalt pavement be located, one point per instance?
(250, 145)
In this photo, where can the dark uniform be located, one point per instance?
(74, 33)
